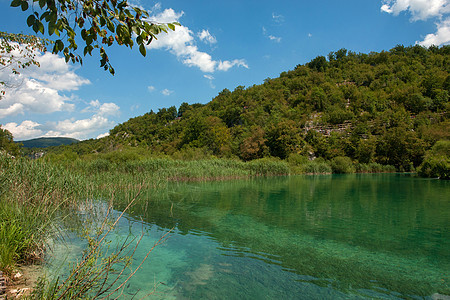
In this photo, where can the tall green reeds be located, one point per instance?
(31, 194)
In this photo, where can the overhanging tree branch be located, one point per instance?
(99, 23)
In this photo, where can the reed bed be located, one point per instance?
(37, 197)
(32, 192)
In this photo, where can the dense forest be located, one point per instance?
(388, 108)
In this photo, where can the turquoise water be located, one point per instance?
(383, 236)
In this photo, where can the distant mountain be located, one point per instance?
(48, 142)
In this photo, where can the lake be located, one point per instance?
(383, 236)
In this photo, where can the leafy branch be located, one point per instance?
(99, 23)
(18, 51)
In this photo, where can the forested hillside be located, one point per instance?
(47, 142)
(388, 107)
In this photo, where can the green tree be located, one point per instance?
(253, 145)
(283, 138)
(7, 144)
(216, 136)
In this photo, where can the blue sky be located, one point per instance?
(220, 44)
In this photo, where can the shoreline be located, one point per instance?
(22, 283)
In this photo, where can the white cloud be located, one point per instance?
(442, 35)
(45, 90)
(419, 9)
(275, 38)
(79, 129)
(102, 135)
(206, 37)
(26, 130)
(12, 110)
(310, 35)
(151, 88)
(424, 10)
(210, 80)
(40, 89)
(109, 109)
(226, 65)
(278, 18)
(166, 92)
(271, 37)
(102, 109)
(181, 43)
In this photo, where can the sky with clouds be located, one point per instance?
(220, 44)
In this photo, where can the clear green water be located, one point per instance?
(383, 236)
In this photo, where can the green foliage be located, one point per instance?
(267, 167)
(387, 108)
(342, 165)
(7, 144)
(316, 167)
(30, 194)
(98, 23)
(374, 168)
(18, 51)
(437, 161)
(435, 167)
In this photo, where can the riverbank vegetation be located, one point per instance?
(386, 108)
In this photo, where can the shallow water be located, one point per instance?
(383, 236)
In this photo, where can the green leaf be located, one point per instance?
(42, 3)
(24, 5)
(136, 29)
(41, 26)
(110, 25)
(59, 45)
(30, 20)
(36, 27)
(45, 16)
(142, 50)
(16, 3)
(51, 28)
(102, 21)
(171, 26)
(83, 34)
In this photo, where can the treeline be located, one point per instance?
(386, 108)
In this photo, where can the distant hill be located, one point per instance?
(48, 142)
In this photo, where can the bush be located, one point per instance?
(437, 161)
(342, 165)
(435, 167)
(297, 159)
